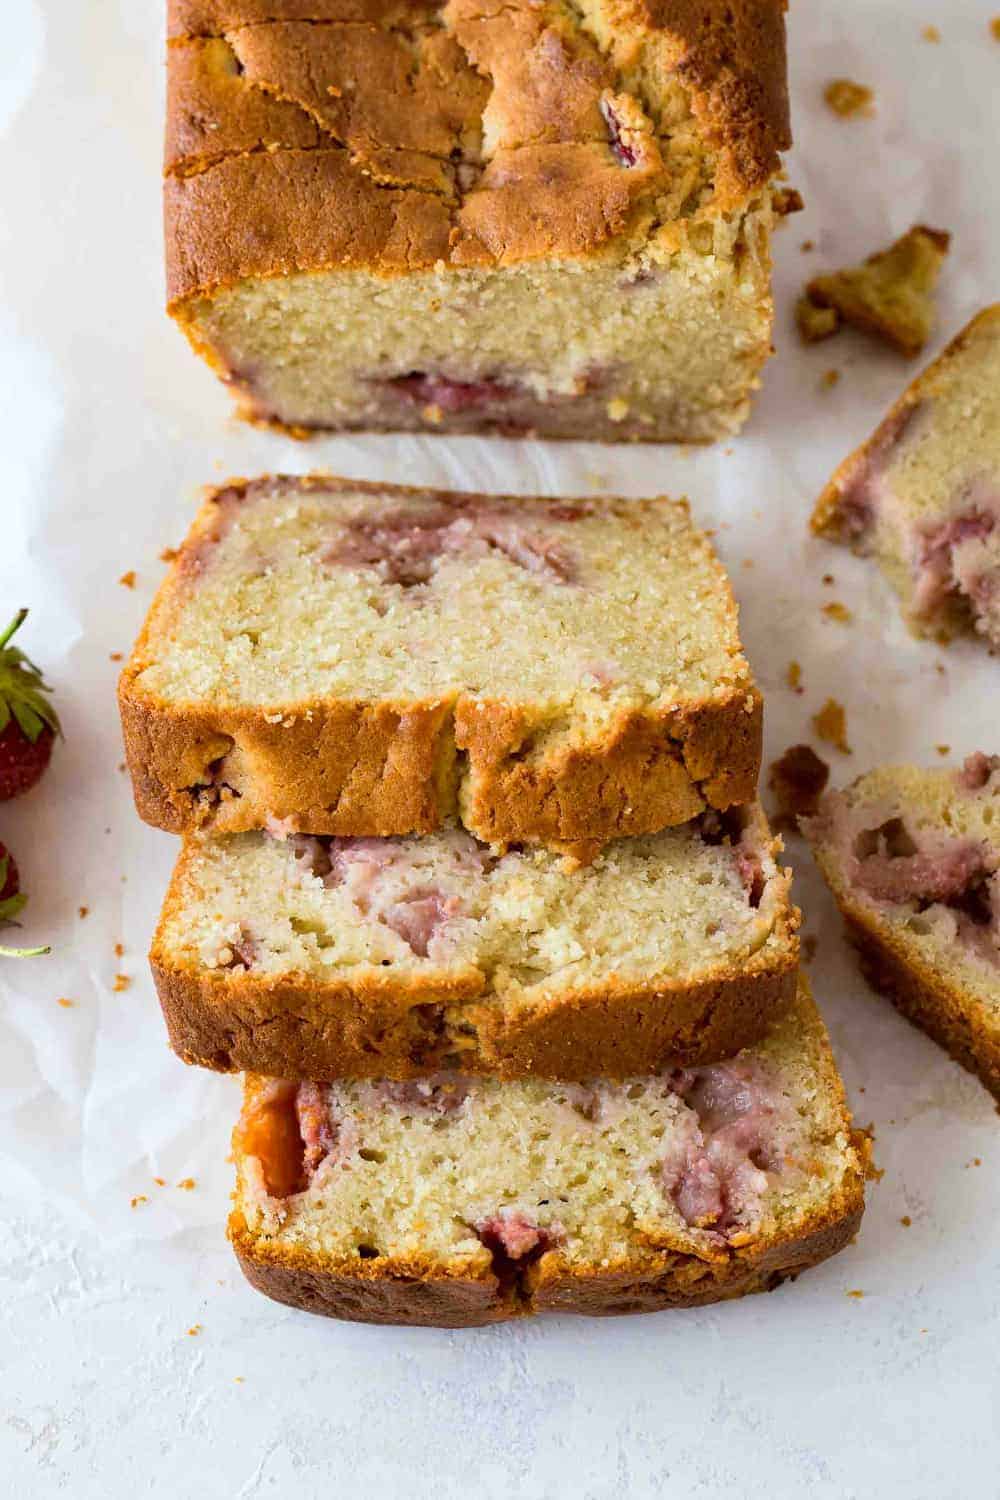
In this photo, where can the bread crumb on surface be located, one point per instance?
(169, 554)
(837, 611)
(128, 579)
(119, 950)
(797, 779)
(83, 911)
(160, 1181)
(793, 676)
(815, 322)
(116, 656)
(788, 200)
(122, 982)
(931, 34)
(995, 28)
(906, 1221)
(66, 1004)
(194, 1330)
(138, 1200)
(847, 98)
(187, 1183)
(943, 749)
(828, 579)
(856, 1292)
(830, 725)
(890, 294)
(808, 245)
(829, 379)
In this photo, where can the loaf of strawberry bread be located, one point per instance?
(517, 216)
(333, 657)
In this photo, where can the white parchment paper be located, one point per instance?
(108, 428)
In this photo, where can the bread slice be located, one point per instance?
(457, 1201)
(923, 494)
(326, 958)
(913, 860)
(368, 660)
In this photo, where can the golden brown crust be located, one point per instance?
(383, 768)
(292, 1027)
(395, 138)
(950, 1015)
(826, 517)
(380, 1291)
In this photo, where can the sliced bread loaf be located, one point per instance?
(922, 495)
(913, 860)
(458, 1201)
(363, 660)
(324, 958)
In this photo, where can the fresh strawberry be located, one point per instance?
(28, 722)
(12, 901)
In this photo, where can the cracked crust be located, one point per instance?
(412, 1292)
(382, 767)
(469, 134)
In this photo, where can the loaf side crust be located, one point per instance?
(943, 1010)
(407, 1292)
(382, 768)
(274, 190)
(296, 1029)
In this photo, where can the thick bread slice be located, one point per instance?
(316, 958)
(922, 495)
(913, 860)
(359, 659)
(461, 1201)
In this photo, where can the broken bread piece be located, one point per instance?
(323, 957)
(890, 294)
(456, 1201)
(913, 860)
(922, 495)
(331, 656)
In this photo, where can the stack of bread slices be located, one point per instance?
(475, 890)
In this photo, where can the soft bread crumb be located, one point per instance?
(846, 98)
(793, 677)
(830, 379)
(931, 34)
(830, 723)
(127, 580)
(837, 611)
(66, 1004)
(121, 982)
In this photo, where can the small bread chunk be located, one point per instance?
(913, 860)
(324, 958)
(329, 656)
(922, 495)
(456, 1201)
(891, 293)
(797, 779)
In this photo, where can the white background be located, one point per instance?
(107, 427)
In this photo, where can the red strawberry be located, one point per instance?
(11, 902)
(28, 722)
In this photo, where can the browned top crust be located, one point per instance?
(397, 135)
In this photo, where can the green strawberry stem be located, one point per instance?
(13, 627)
(22, 952)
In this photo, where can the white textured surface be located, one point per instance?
(108, 426)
